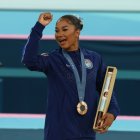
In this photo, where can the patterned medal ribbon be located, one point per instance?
(81, 84)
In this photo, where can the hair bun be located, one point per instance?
(80, 21)
(81, 24)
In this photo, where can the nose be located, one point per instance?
(59, 34)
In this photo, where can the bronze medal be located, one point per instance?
(82, 108)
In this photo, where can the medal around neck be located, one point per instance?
(80, 84)
(82, 108)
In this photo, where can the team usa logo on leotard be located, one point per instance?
(88, 64)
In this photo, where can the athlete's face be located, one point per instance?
(67, 35)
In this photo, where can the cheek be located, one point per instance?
(71, 39)
(72, 36)
(55, 36)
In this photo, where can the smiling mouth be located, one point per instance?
(62, 42)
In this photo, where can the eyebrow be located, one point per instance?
(62, 27)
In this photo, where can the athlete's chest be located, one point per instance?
(62, 68)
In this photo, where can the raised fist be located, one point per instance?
(45, 18)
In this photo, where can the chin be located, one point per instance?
(65, 47)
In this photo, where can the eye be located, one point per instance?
(65, 29)
(56, 31)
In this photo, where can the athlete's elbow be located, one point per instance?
(31, 66)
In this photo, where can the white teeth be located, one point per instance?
(62, 40)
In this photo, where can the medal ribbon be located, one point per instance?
(81, 84)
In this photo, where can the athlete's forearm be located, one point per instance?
(30, 51)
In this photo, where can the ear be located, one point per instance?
(77, 33)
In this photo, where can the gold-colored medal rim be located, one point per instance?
(79, 106)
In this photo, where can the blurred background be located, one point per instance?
(111, 28)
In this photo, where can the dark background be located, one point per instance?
(29, 94)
